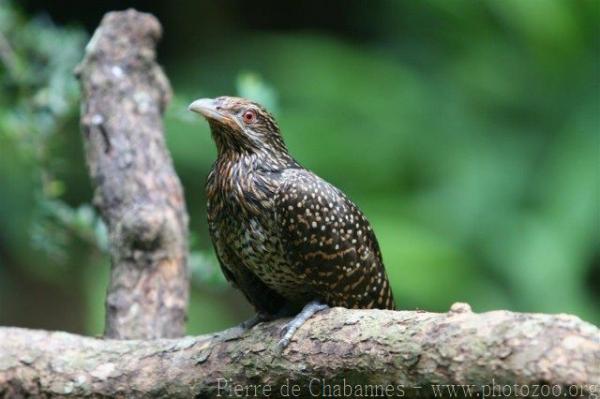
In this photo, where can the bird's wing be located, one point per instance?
(263, 298)
(330, 243)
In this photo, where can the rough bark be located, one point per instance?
(370, 348)
(137, 192)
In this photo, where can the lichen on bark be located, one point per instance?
(335, 347)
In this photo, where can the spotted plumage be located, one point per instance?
(284, 236)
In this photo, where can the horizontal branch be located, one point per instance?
(367, 349)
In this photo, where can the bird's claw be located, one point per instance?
(286, 336)
(254, 320)
(284, 329)
(282, 344)
(289, 329)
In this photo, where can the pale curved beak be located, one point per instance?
(209, 108)
(206, 107)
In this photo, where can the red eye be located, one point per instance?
(249, 116)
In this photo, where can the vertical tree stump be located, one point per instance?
(124, 95)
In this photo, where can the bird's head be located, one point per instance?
(240, 125)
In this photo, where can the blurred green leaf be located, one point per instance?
(253, 87)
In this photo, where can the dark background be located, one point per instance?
(468, 132)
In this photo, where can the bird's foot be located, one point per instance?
(259, 317)
(237, 331)
(290, 328)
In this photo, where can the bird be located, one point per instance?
(291, 242)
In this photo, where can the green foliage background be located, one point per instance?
(468, 132)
